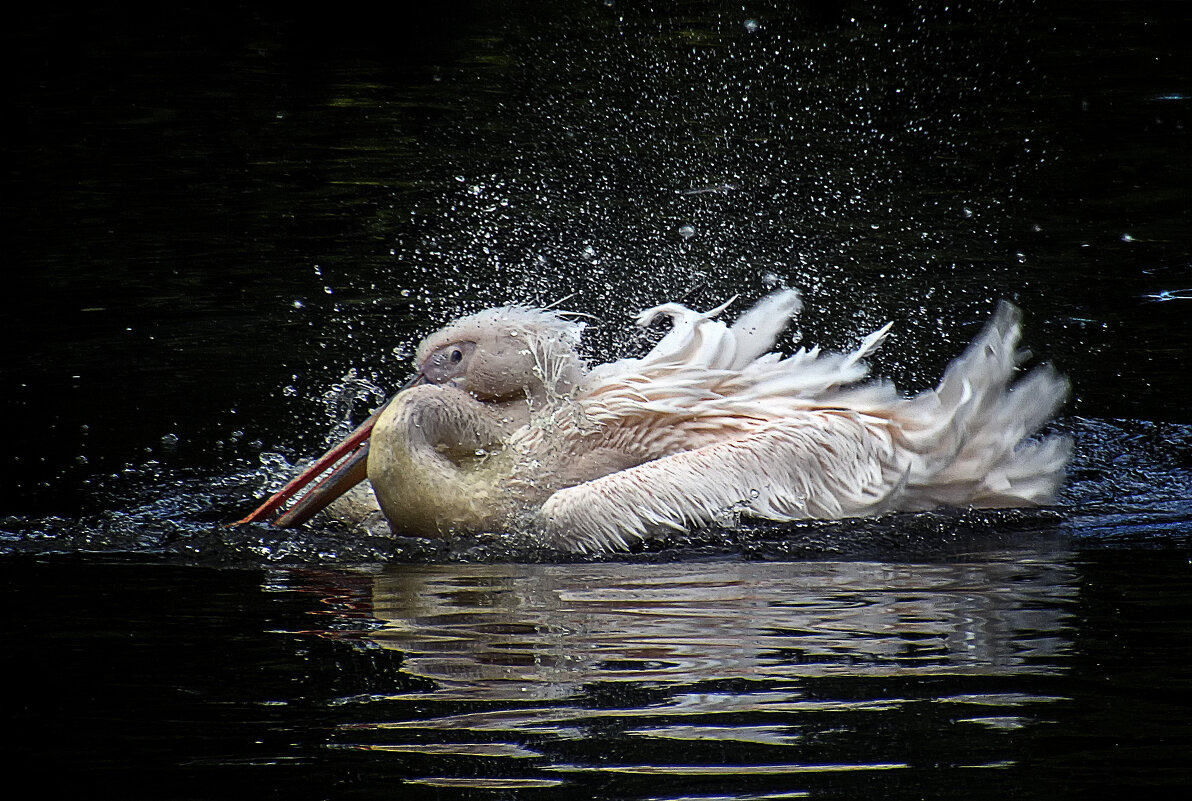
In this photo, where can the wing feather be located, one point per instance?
(835, 465)
(703, 367)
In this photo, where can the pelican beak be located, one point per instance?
(345, 466)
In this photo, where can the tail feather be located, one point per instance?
(970, 436)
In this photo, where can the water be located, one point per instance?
(231, 226)
(1033, 671)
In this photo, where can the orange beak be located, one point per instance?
(344, 466)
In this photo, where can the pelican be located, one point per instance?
(505, 427)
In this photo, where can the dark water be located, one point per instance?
(228, 227)
(1036, 671)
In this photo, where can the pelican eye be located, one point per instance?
(448, 362)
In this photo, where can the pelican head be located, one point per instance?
(511, 359)
(510, 353)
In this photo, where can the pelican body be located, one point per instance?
(505, 427)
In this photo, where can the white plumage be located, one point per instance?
(514, 430)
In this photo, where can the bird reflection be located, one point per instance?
(525, 632)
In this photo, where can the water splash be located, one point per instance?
(342, 399)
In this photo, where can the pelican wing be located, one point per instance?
(821, 465)
(737, 432)
(704, 368)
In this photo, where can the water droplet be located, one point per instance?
(268, 458)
